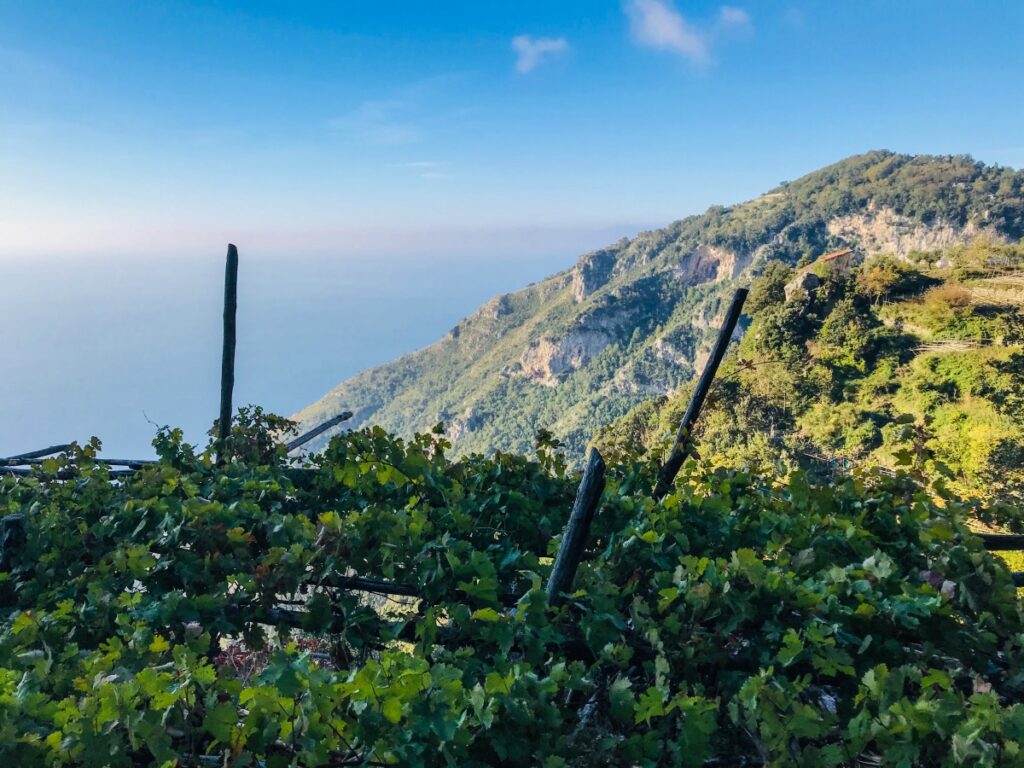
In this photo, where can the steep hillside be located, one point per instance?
(892, 363)
(633, 320)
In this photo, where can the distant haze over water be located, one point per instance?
(95, 346)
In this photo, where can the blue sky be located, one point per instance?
(412, 127)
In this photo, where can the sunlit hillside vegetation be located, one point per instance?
(634, 320)
(915, 363)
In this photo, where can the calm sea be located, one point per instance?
(112, 346)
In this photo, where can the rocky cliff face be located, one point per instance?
(672, 350)
(803, 283)
(464, 424)
(883, 230)
(546, 361)
(635, 319)
(593, 271)
(709, 263)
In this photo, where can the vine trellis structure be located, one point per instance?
(574, 539)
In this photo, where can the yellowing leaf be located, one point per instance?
(392, 710)
(486, 614)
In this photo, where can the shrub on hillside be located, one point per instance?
(768, 288)
(884, 276)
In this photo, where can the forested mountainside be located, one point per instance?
(903, 364)
(632, 321)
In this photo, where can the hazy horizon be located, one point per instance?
(122, 346)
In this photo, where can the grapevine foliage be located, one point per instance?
(740, 619)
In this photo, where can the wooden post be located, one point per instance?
(12, 539)
(16, 460)
(227, 367)
(134, 463)
(305, 438)
(1002, 541)
(681, 446)
(578, 528)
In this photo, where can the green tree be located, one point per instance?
(769, 287)
(884, 276)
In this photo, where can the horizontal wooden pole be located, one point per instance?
(284, 616)
(359, 584)
(1002, 541)
(21, 458)
(62, 474)
(316, 431)
(98, 460)
(125, 462)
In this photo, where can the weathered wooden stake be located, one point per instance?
(135, 463)
(1002, 541)
(16, 460)
(227, 367)
(682, 446)
(305, 438)
(578, 528)
(62, 474)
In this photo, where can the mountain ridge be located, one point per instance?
(633, 320)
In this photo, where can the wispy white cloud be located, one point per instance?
(729, 16)
(379, 121)
(656, 24)
(410, 114)
(531, 51)
(659, 25)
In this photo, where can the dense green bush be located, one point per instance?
(868, 368)
(741, 618)
(883, 277)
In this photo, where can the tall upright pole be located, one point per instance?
(227, 367)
